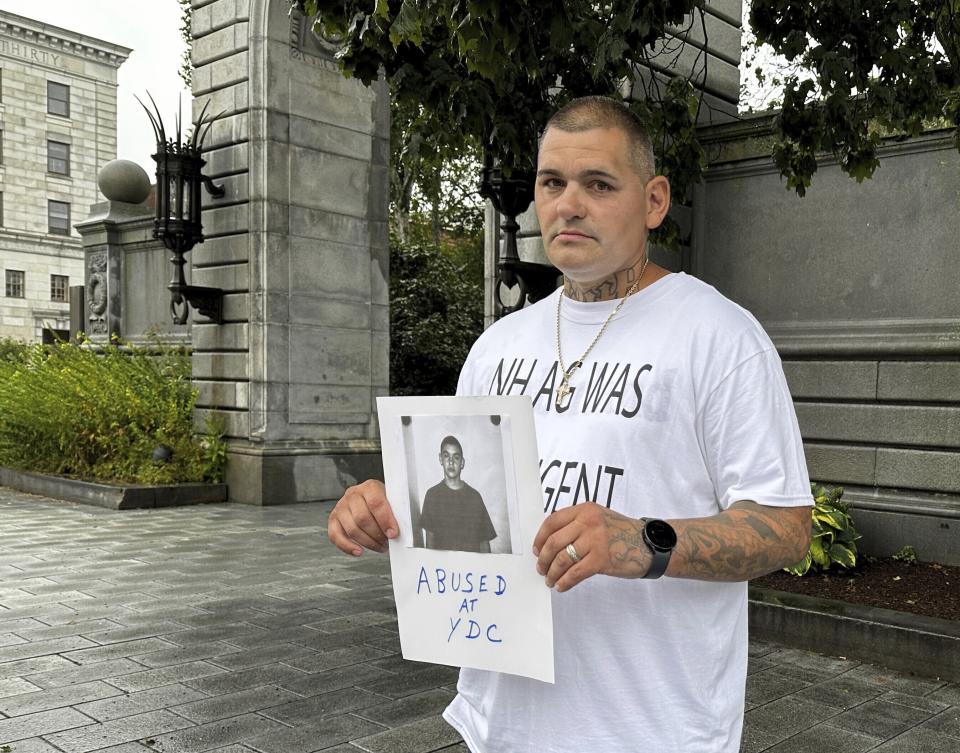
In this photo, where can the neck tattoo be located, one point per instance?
(563, 391)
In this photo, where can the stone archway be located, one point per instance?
(300, 245)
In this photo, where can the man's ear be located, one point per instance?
(658, 201)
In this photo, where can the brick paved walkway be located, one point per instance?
(237, 629)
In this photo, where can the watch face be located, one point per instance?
(661, 535)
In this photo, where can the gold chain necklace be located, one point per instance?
(563, 391)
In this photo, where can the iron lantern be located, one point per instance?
(178, 212)
(511, 195)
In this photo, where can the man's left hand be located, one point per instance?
(605, 541)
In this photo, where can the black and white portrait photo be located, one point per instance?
(457, 473)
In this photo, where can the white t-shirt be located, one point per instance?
(680, 410)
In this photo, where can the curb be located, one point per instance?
(925, 646)
(109, 496)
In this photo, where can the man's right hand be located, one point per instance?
(362, 519)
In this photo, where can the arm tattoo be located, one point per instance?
(745, 542)
(629, 556)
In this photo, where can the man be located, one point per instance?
(453, 515)
(674, 398)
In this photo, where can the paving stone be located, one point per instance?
(131, 704)
(19, 624)
(919, 740)
(153, 678)
(826, 739)
(218, 633)
(16, 686)
(947, 722)
(398, 665)
(413, 682)
(43, 648)
(755, 665)
(127, 729)
(119, 635)
(41, 723)
(326, 704)
(215, 734)
(770, 685)
(126, 748)
(840, 692)
(947, 694)
(409, 708)
(230, 682)
(880, 719)
(417, 737)
(85, 673)
(32, 745)
(265, 655)
(319, 736)
(9, 639)
(334, 679)
(824, 665)
(774, 722)
(33, 666)
(43, 700)
(123, 650)
(79, 627)
(264, 699)
(340, 657)
(892, 681)
(184, 654)
(914, 702)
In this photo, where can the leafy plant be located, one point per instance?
(436, 313)
(834, 538)
(12, 350)
(855, 72)
(906, 554)
(99, 415)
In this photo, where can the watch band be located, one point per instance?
(660, 540)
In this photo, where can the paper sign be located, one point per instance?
(462, 479)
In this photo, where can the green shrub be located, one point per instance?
(906, 554)
(436, 313)
(12, 350)
(99, 415)
(834, 539)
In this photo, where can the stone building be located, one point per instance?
(58, 127)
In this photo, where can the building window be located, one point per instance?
(58, 217)
(15, 283)
(1, 208)
(58, 99)
(59, 288)
(58, 158)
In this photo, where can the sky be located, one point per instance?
(152, 29)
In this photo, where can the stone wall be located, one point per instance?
(857, 285)
(299, 244)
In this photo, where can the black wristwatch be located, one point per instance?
(660, 537)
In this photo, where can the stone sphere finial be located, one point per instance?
(123, 180)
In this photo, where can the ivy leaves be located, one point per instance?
(866, 70)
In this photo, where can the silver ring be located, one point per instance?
(572, 553)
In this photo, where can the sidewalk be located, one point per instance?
(235, 629)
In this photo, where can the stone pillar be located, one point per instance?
(300, 245)
(126, 271)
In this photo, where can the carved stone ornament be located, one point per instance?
(305, 39)
(97, 291)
